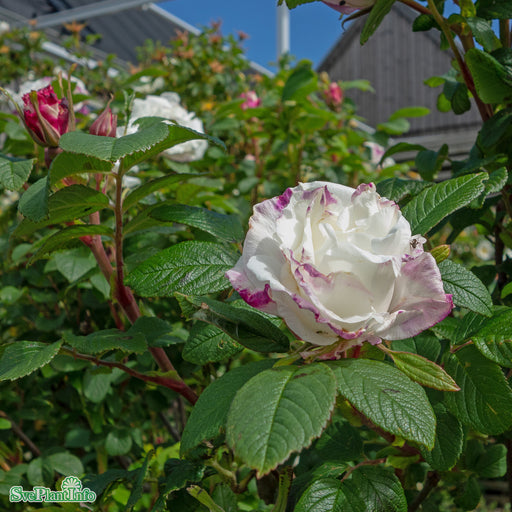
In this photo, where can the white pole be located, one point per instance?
(283, 30)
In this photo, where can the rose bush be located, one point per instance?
(335, 262)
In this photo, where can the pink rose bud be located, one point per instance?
(334, 95)
(46, 117)
(348, 6)
(105, 124)
(251, 100)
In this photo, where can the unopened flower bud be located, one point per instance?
(105, 124)
(45, 116)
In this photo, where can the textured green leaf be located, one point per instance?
(388, 398)
(449, 441)
(75, 263)
(377, 14)
(14, 172)
(493, 83)
(179, 473)
(485, 399)
(497, 180)
(490, 9)
(494, 338)
(495, 129)
(109, 339)
(424, 344)
(208, 344)
(249, 327)
(193, 268)
(424, 372)
(208, 417)
(432, 205)
(151, 186)
(224, 227)
(397, 189)
(24, 357)
(176, 134)
(65, 463)
(302, 81)
(33, 203)
(280, 411)
(483, 33)
(112, 148)
(60, 240)
(67, 204)
(466, 289)
(370, 489)
(70, 164)
(429, 162)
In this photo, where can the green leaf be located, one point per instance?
(224, 227)
(179, 473)
(483, 33)
(459, 99)
(152, 328)
(494, 338)
(118, 442)
(138, 484)
(377, 14)
(421, 370)
(429, 163)
(397, 189)
(208, 417)
(33, 203)
(449, 441)
(491, 9)
(466, 289)
(148, 188)
(70, 164)
(301, 82)
(410, 112)
(424, 344)
(109, 339)
(66, 205)
(492, 81)
(485, 399)
(14, 172)
(492, 463)
(193, 268)
(60, 240)
(24, 357)
(497, 180)
(176, 134)
(496, 129)
(208, 344)
(388, 398)
(432, 205)
(280, 411)
(370, 489)
(97, 384)
(65, 463)
(112, 148)
(249, 327)
(75, 263)
(394, 127)
(423, 23)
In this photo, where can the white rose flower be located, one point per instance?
(167, 105)
(339, 266)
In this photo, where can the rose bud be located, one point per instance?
(334, 95)
(105, 124)
(251, 100)
(45, 116)
(346, 7)
(340, 266)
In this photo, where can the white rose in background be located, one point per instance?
(339, 265)
(376, 153)
(167, 105)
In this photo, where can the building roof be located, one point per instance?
(397, 61)
(121, 32)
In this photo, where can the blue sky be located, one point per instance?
(314, 27)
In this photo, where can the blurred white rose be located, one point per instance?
(485, 250)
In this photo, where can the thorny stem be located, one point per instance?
(178, 386)
(433, 479)
(484, 109)
(285, 482)
(17, 430)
